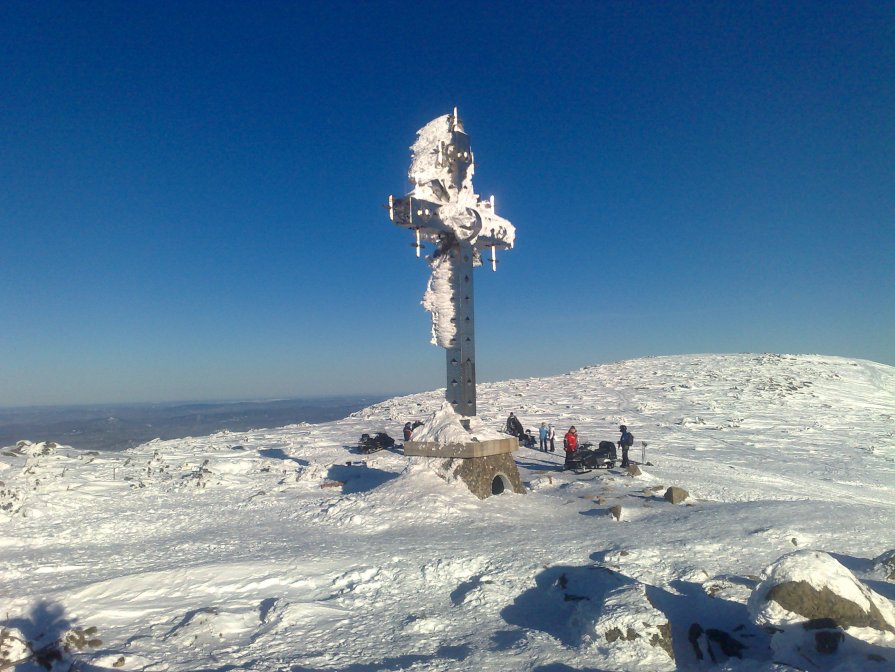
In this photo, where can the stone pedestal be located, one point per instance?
(486, 467)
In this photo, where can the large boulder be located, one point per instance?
(809, 601)
(676, 495)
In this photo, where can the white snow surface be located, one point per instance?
(285, 549)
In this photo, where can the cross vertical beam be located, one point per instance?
(460, 388)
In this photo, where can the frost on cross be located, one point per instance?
(443, 209)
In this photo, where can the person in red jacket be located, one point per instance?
(570, 443)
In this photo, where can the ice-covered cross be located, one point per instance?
(443, 209)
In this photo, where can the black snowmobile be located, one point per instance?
(371, 444)
(587, 457)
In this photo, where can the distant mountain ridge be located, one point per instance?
(118, 427)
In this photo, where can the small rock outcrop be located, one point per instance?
(627, 621)
(884, 565)
(676, 495)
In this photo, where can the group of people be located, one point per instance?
(547, 436)
(625, 441)
(514, 428)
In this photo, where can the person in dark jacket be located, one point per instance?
(408, 431)
(625, 441)
(570, 444)
(514, 426)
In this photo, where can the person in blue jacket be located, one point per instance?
(542, 433)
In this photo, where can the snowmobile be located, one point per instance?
(371, 444)
(587, 458)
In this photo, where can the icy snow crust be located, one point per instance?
(281, 549)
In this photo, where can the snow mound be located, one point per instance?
(445, 427)
(629, 628)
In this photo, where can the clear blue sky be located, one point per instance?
(191, 192)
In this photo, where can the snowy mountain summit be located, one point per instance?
(287, 549)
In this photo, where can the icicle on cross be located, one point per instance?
(443, 209)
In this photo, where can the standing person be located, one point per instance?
(551, 436)
(625, 441)
(542, 433)
(570, 444)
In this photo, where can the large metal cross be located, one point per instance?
(443, 209)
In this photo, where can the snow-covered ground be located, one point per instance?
(284, 549)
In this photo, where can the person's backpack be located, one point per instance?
(629, 440)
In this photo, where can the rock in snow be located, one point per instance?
(676, 495)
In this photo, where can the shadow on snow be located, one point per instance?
(280, 454)
(550, 607)
(358, 477)
(445, 653)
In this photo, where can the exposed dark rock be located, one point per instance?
(662, 639)
(676, 495)
(801, 598)
(615, 634)
(885, 563)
